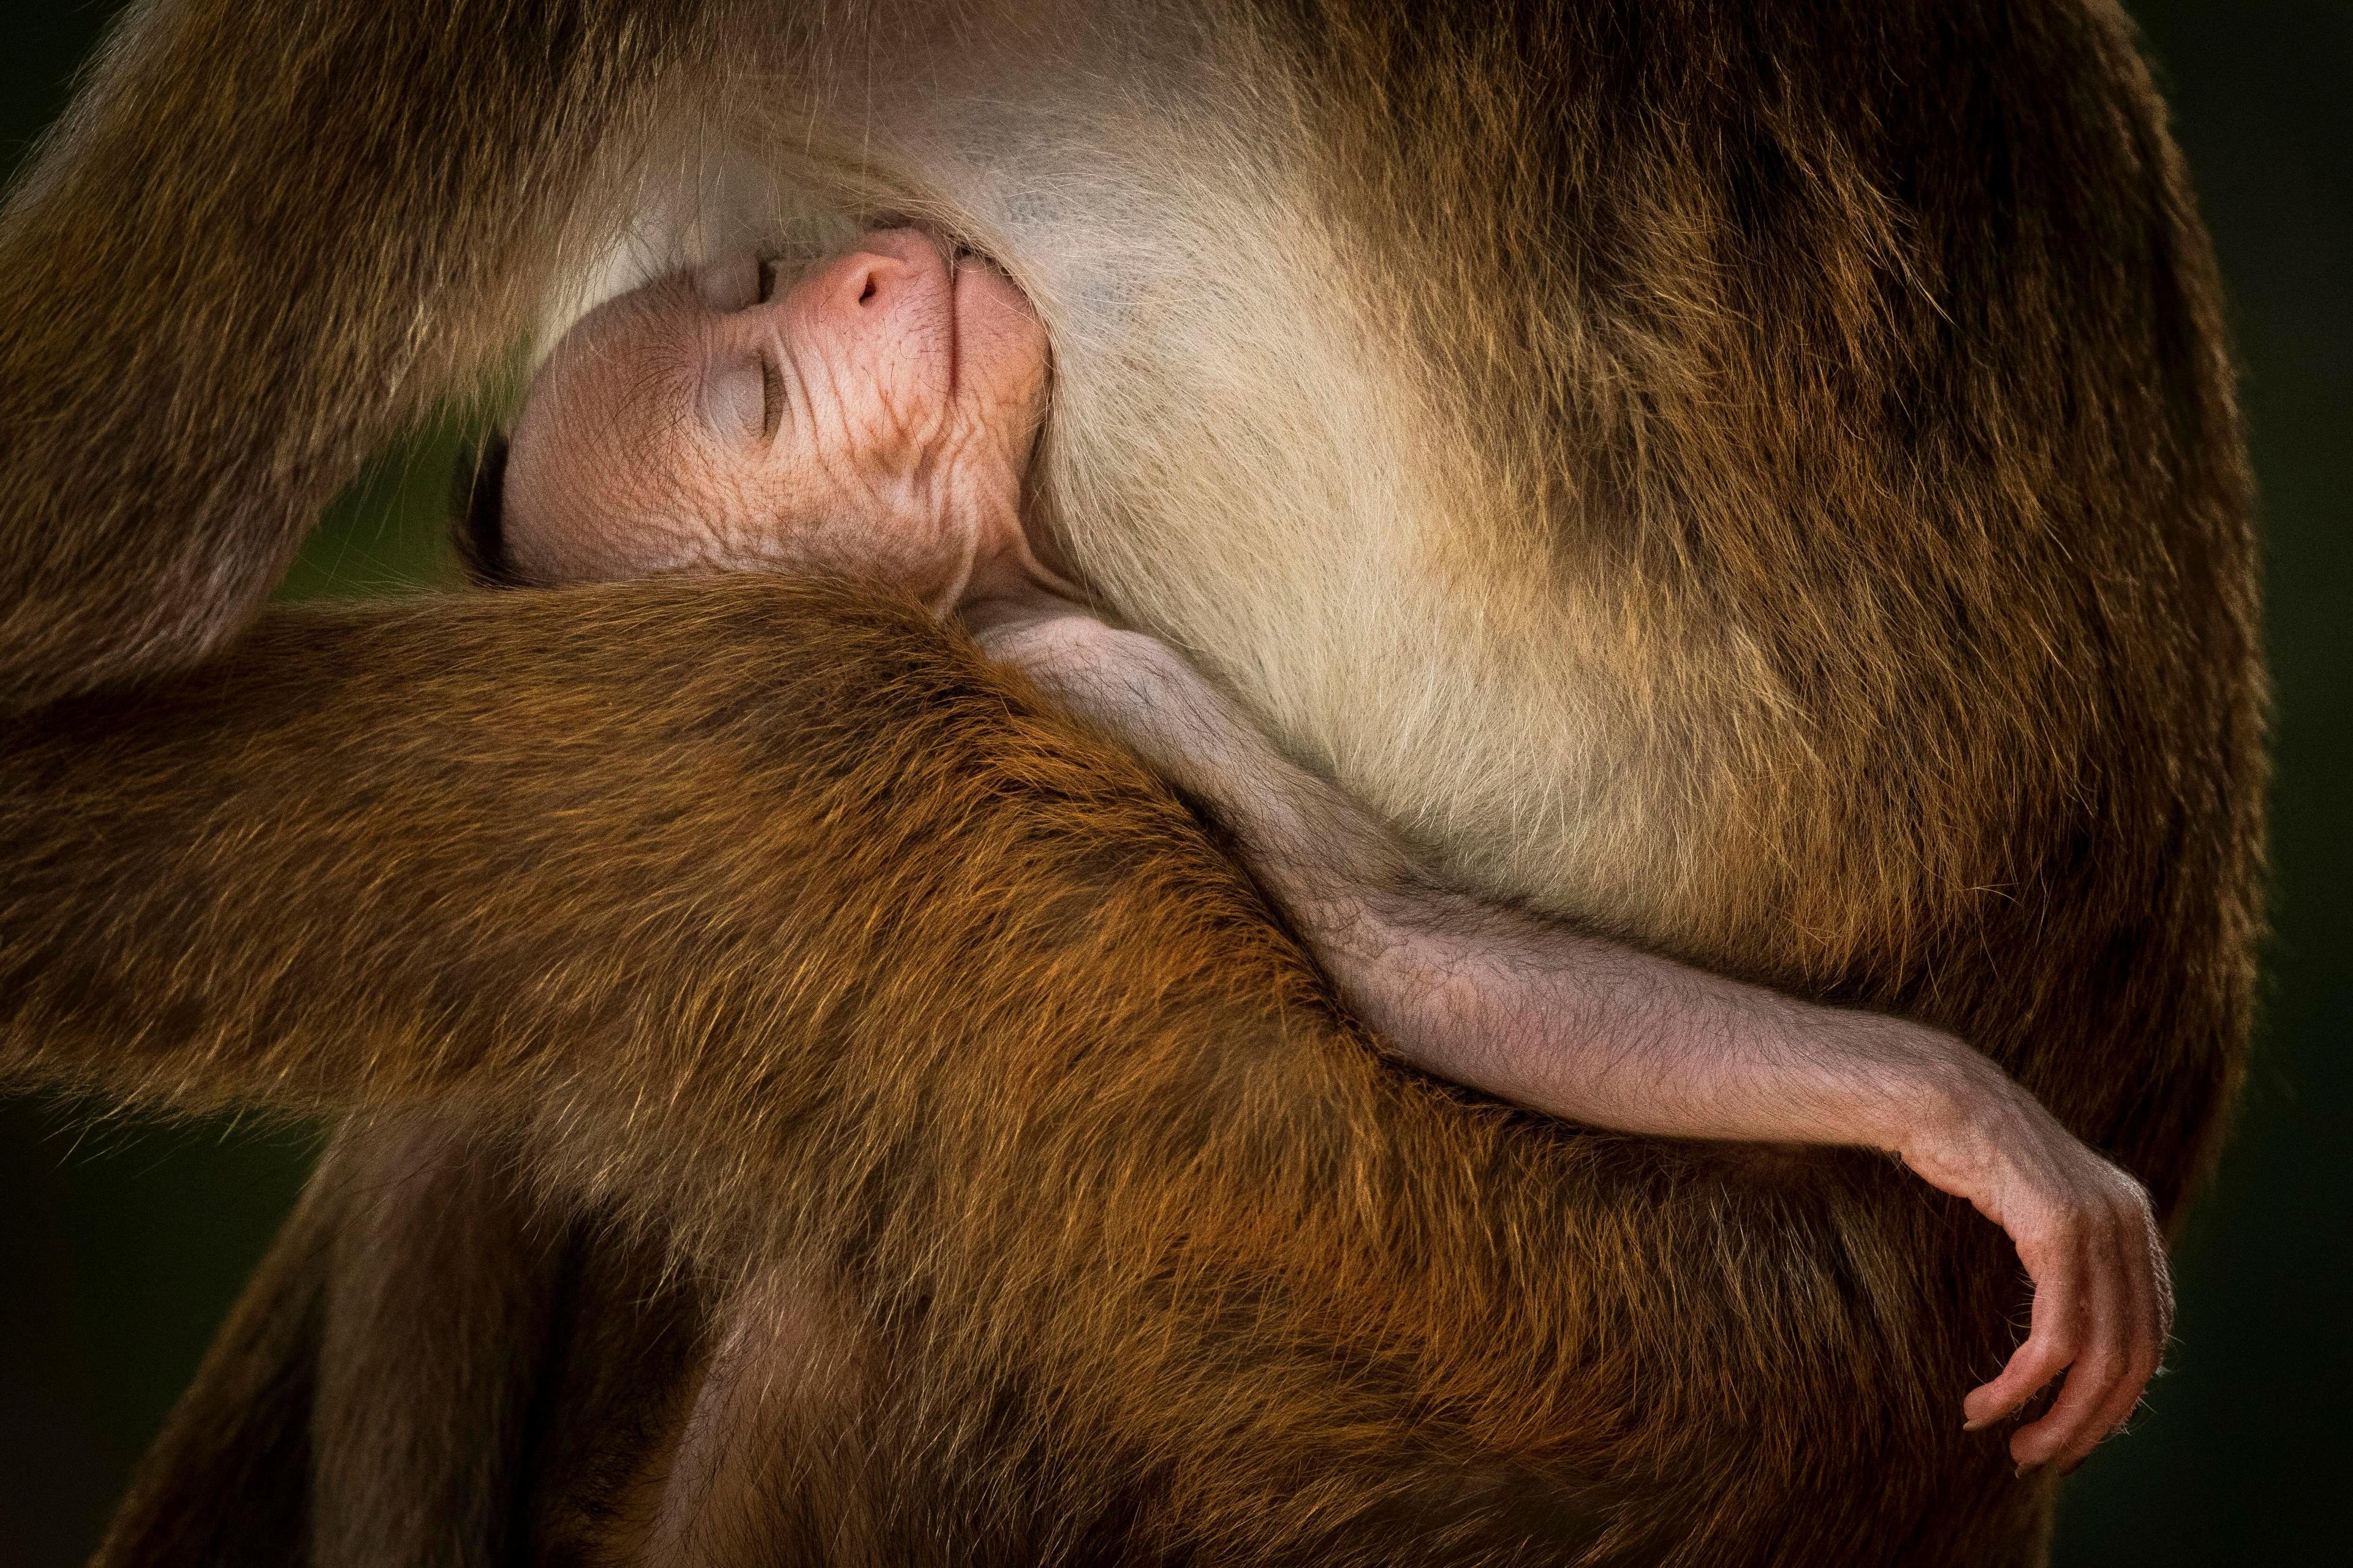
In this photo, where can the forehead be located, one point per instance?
(639, 342)
(609, 411)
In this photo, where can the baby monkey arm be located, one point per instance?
(1598, 1032)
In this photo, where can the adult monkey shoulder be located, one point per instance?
(1759, 363)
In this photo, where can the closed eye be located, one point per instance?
(772, 397)
(772, 380)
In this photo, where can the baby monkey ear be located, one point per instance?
(477, 513)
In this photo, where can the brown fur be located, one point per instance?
(1834, 421)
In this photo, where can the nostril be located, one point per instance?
(869, 280)
(868, 277)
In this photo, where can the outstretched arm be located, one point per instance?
(1603, 1034)
(764, 910)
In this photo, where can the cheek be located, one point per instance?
(874, 389)
(827, 520)
(1020, 397)
(557, 523)
(920, 556)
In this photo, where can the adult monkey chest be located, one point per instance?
(1766, 484)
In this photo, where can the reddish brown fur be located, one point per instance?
(1874, 348)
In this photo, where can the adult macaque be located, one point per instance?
(876, 416)
(1758, 482)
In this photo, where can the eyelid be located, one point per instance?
(772, 396)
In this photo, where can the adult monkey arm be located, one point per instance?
(586, 907)
(348, 861)
(356, 204)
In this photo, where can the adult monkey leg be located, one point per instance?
(391, 1252)
(234, 1487)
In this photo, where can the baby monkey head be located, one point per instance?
(872, 413)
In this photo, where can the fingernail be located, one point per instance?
(1980, 1425)
(2029, 1469)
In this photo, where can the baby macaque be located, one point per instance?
(875, 413)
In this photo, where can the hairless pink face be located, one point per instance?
(874, 415)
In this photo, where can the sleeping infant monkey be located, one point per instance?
(874, 413)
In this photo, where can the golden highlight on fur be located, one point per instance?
(1762, 482)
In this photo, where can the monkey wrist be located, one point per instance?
(1947, 1110)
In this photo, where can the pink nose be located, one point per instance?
(891, 268)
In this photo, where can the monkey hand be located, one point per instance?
(2088, 1238)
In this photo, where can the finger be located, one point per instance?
(2053, 1333)
(2162, 1273)
(2093, 1376)
(2144, 1342)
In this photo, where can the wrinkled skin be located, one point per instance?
(874, 415)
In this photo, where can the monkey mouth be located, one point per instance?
(956, 256)
(963, 262)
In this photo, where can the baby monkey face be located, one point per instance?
(872, 414)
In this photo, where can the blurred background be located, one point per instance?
(122, 1243)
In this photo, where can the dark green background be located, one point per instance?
(121, 1244)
